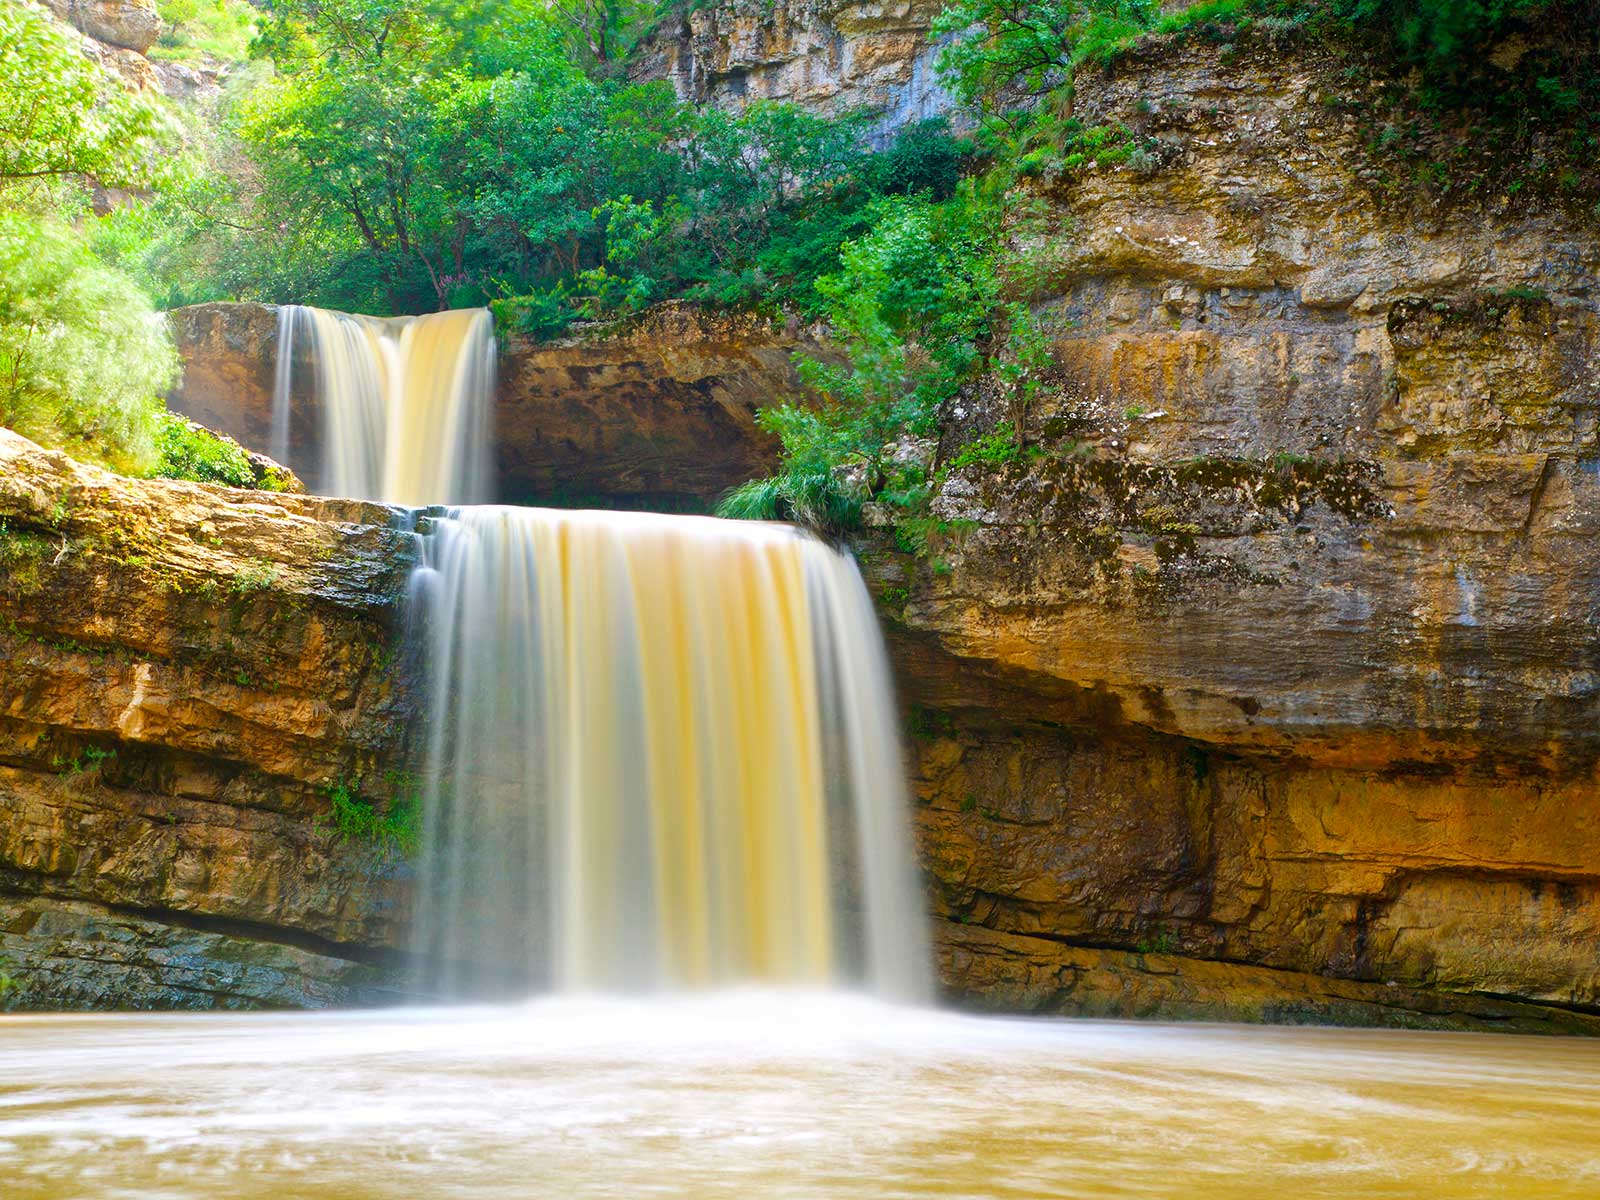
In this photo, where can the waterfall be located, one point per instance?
(405, 403)
(659, 751)
(662, 751)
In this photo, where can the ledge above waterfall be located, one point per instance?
(657, 412)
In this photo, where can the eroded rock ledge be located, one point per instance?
(187, 671)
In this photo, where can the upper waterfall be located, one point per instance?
(406, 403)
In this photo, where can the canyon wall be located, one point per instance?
(1263, 685)
(1275, 655)
(190, 674)
(828, 56)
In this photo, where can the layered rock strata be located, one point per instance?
(1277, 647)
(824, 55)
(190, 674)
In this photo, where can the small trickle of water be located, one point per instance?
(405, 403)
(662, 752)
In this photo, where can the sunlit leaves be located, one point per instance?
(62, 115)
(83, 357)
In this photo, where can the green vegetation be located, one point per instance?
(83, 356)
(917, 306)
(91, 758)
(407, 155)
(1164, 942)
(395, 831)
(189, 451)
(253, 577)
(204, 30)
(22, 553)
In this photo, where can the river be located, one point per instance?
(763, 1094)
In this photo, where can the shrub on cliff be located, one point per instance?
(83, 357)
(185, 450)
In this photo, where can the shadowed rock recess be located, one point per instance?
(1265, 688)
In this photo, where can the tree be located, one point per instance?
(62, 117)
(83, 357)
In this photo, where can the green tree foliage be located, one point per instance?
(412, 155)
(918, 306)
(83, 357)
(1004, 52)
(1443, 36)
(62, 118)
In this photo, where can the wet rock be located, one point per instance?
(188, 670)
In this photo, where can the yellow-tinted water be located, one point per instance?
(769, 1095)
(661, 751)
(404, 403)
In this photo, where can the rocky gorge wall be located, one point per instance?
(1263, 686)
(827, 56)
(188, 672)
(1273, 663)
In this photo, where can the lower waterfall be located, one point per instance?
(662, 752)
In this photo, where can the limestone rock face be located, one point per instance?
(188, 669)
(131, 24)
(657, 411)
(230, 355)
(1282, 650)
(824, 55)
(654, 412)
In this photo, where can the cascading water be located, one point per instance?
(406, 403)
(662, 751)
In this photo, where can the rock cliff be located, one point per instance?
(129, 24)
(825, 55)
(1278, 648)
(1262, 686)
(189, 671)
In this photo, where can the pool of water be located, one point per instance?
(780, 1095)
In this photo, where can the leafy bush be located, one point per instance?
(1022, 51)
(395, 831)
(923, 158)
(189, 451)
(83, 357)
(918, 309)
